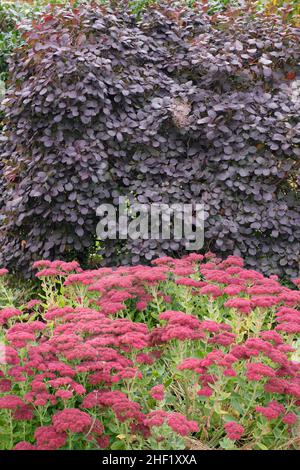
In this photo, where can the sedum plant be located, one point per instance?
(194, 350)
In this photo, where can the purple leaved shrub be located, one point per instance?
(177, 107)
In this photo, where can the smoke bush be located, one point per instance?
(178, 107)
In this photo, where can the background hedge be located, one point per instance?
(177, 107)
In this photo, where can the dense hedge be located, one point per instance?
(288, 9)
(11, 15)
(177, 108)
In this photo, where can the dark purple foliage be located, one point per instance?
(179, 108)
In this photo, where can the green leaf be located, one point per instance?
(236, 405)
(261, 446)
(118, 445)
(227, 444)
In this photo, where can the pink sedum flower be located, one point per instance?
(157, 392)
(71, 419)
(234, 430)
